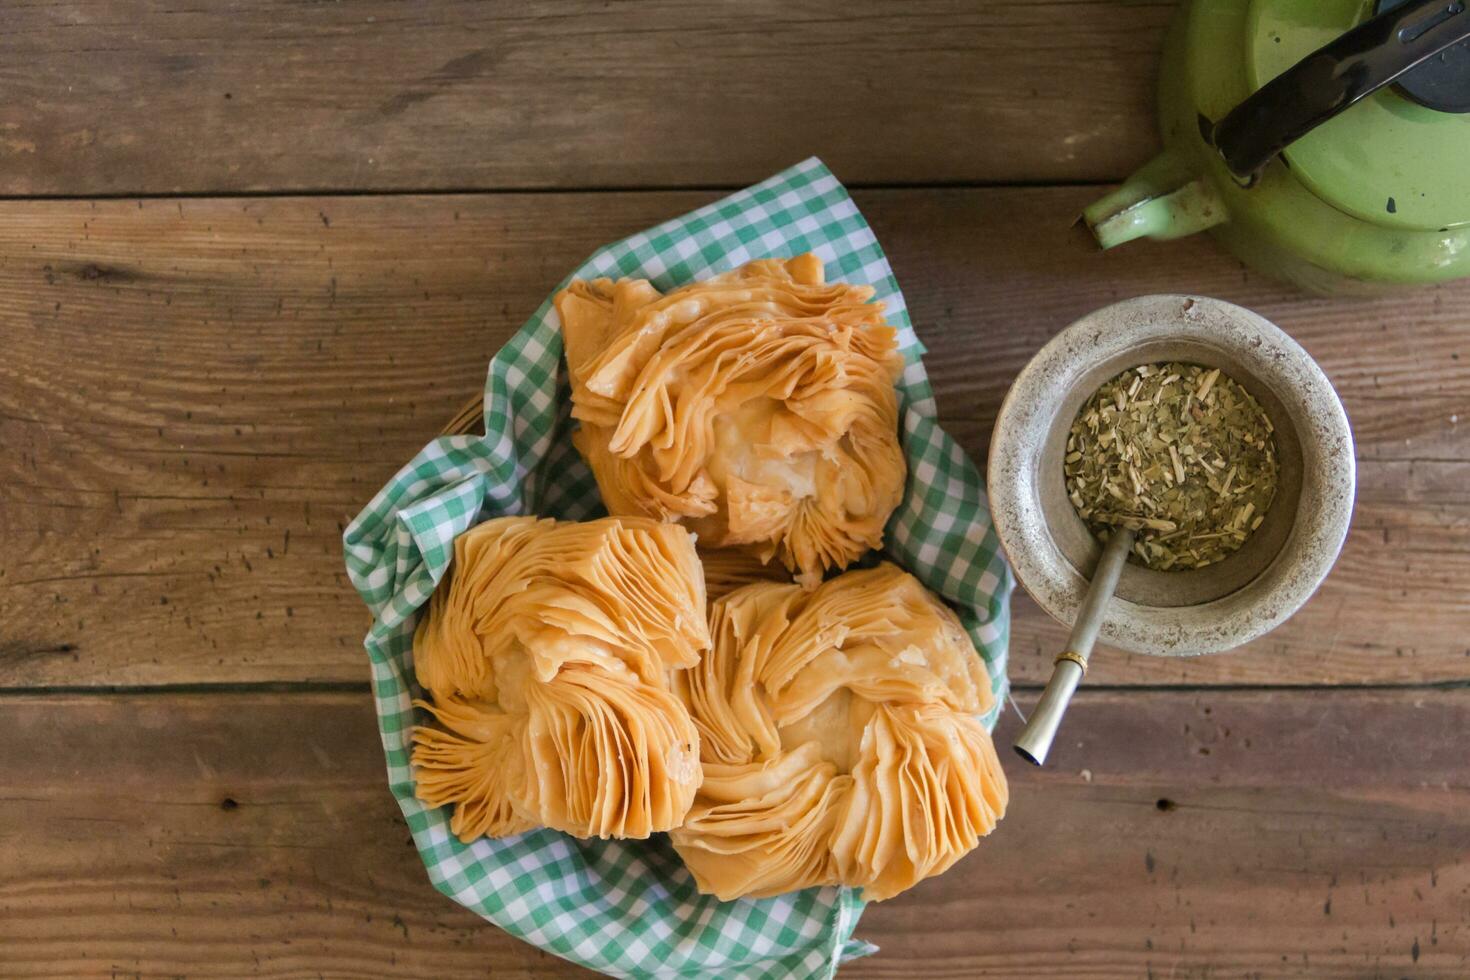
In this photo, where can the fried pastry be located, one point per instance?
(757, 408)
(548, 653)
(839, 739)
(727, 569)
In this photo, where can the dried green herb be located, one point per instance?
(1180, 453)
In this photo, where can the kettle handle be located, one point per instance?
(1331, 79)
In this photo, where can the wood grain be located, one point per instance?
(1224, 834)
(196, 395)
(222, 836)
(217, 96)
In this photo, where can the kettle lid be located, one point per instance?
(1442, 82)
(1398, 157)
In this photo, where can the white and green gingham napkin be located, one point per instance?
(629, 908)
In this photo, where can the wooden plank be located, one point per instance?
(1299, 834)
(198, 394)
(132, 97)
(219, 836)
(1221, 834)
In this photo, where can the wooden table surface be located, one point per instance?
(254, 255)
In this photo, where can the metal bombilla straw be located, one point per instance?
(1035, 739)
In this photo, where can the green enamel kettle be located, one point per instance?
(1326, 142)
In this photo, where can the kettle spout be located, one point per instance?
(1160, 201)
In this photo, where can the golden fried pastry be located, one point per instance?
(548, 653)
(727, 569)
(839, 739)
(756, 407)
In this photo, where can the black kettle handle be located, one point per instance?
(1331, 79)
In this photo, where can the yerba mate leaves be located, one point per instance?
(1180, 453)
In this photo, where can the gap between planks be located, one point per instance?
(533, 191)
(307, 688)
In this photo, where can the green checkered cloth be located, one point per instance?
(629, 908)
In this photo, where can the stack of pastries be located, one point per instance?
(809, 725)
